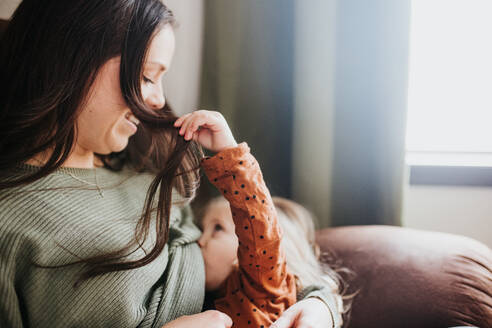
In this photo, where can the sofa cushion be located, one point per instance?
(413, 278)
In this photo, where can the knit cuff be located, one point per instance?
(331, 304)
(224, 161)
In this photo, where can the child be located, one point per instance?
(226, 257)
(255, 287)
(297, 241)
(259, 289)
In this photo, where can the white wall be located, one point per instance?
(461, 210)
(182, 82)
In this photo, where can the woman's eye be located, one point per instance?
(147, 80)
(218, 227)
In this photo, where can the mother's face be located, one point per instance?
(105, 123)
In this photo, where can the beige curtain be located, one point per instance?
(371, 82)
(248, 76)
(318, 89)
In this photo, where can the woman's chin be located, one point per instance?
(115, 146)
(120, 146)
(120, 139)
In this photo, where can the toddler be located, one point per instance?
(243, 248)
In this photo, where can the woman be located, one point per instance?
(95, 230)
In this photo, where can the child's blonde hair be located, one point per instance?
(303, 255)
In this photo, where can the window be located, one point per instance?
(450, 83)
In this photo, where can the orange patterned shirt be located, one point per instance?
(261, 288)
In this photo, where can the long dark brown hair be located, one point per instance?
(50, 55)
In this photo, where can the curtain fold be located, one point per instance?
(318, 89)
(371, 101)
(247, 75)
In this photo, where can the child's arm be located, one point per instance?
(262, 283)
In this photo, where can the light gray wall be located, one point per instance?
(460, 210)
(182, 82)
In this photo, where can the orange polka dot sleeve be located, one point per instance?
(261, 288)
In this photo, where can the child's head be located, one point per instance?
(218, 242)
(219, 246)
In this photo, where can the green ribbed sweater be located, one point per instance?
(52, 227)
(63, 216)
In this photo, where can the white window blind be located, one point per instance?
(450, 77)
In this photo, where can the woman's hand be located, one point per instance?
(207, 319)
(208, 128)
(308, 313)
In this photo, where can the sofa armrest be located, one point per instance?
(413, 278)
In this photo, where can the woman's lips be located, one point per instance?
(132, 122)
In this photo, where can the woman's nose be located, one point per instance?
(156, 100)
(154, 95)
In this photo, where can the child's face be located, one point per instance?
(218, 244)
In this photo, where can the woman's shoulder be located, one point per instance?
(70, 189)
(80, 195)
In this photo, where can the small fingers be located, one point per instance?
(180, 120)
(192, 127)
(193, 123)
(281, 323)
(190, 123)
(304, 322)
(220, 318)
(286, 320)
(200, 121)
(190, 130)
(227, 320)
(185, 124)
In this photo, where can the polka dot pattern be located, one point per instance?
(259, 291)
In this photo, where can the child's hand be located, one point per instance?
(309, 312)
(208, 128)
(207, 319)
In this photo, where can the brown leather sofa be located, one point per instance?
(413, 278)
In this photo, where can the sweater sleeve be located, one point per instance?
(261, 288)
(10, 313)
(332, 301)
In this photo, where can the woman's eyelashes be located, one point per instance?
(147, 80)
